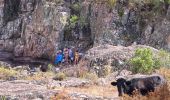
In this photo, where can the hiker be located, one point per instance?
(66, 55)
(76, 58)
(59, 58)
(71, 55)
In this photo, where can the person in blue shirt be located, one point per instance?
(59, 58)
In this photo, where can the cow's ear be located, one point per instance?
(128, 82)
(114, 83)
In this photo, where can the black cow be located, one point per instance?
(143, 85)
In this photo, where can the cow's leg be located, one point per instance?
(151, 88)
(120, 90)
(143, 92)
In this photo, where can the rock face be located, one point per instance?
(38, 28)
(31, 28)
(125, 23)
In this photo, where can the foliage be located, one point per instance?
(50, 67)
(111, 3)
(60, 76)
(143, 61)
(73, 20)
(7, 73)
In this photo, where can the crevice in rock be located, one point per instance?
(11, 10)
(153, 29)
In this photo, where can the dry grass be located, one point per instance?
(93, 90)
(63, 95)
(104, 91)
(90, 76)
(60, 76)
(7, 73)
(164, 72)
(40, 76)
(77, 70)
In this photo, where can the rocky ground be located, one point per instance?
(75, 89)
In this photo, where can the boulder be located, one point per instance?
(107, 58)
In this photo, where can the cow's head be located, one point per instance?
(157, 80)
(122, 86)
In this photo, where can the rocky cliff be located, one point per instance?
(38, 28)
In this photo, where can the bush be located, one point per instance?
(60, 76)
(73, 20)
(143, 61)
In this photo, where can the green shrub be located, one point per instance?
(60, 76)
(73, 20)
(143, 61)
